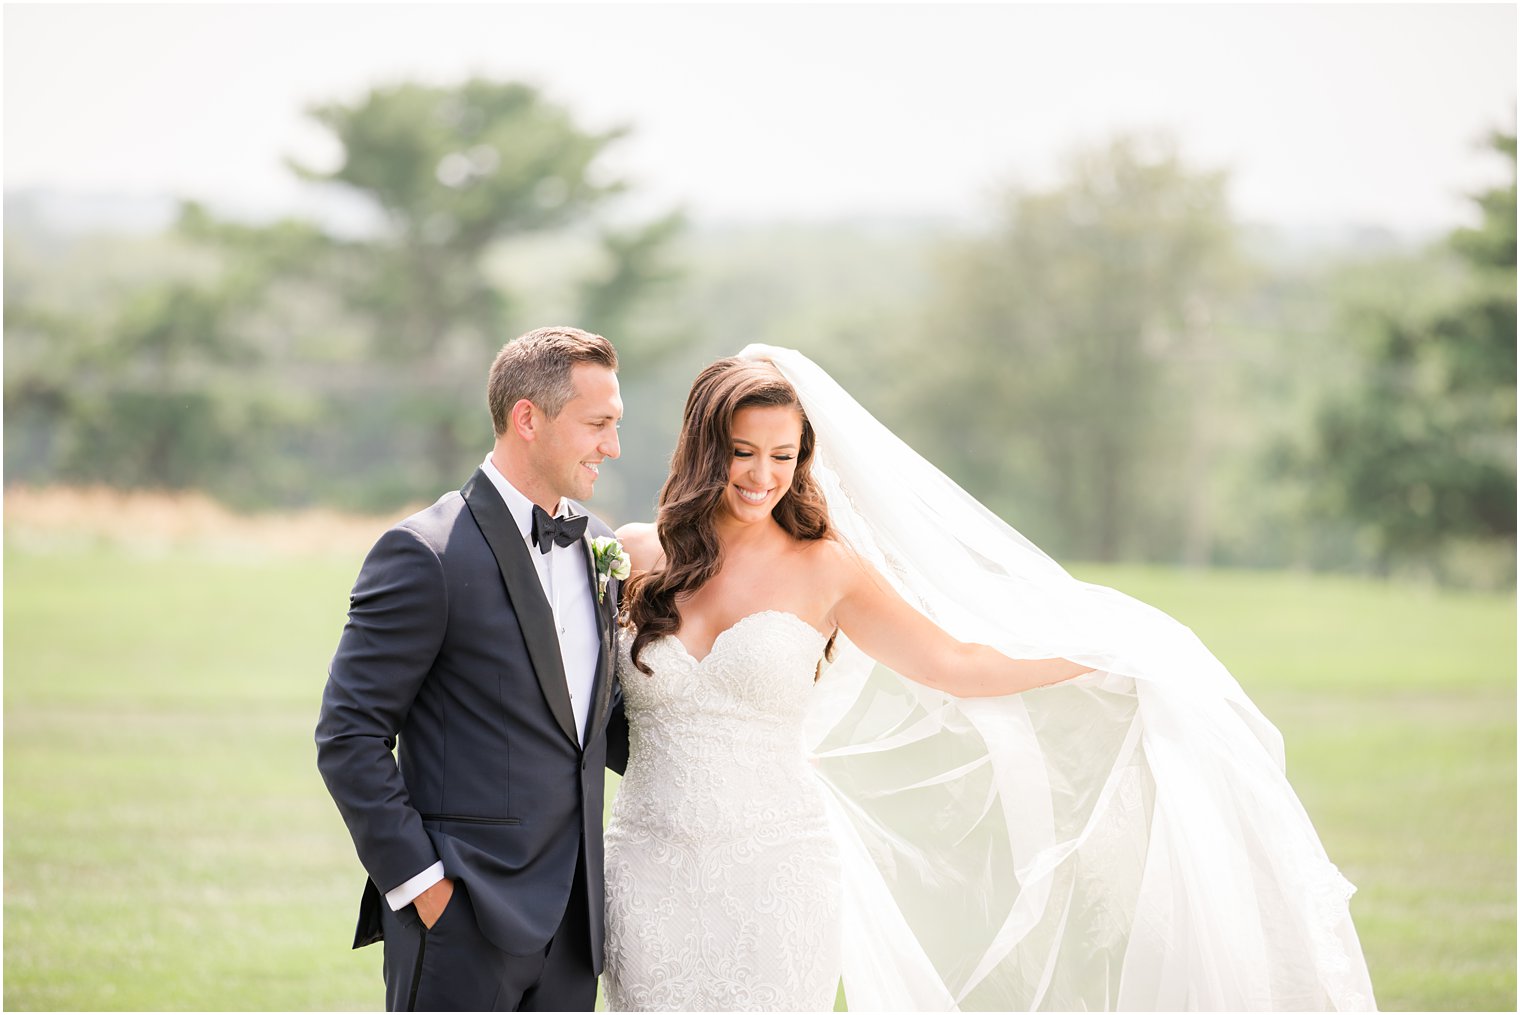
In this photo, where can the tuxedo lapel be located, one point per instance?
(604, 661)
(534, 615)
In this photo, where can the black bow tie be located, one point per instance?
(564, 531)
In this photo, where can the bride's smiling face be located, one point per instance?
(764, 446)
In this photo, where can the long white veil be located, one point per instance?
(1125, 840)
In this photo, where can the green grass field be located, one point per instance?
(169, 844)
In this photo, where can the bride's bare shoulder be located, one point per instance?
(830, 558)
(838, 567)
(642, 542)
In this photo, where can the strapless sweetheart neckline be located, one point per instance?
(681, 645)
(723, 876)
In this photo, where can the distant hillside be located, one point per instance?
(48, 212)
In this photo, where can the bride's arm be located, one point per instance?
(889, 630)
(641, 541)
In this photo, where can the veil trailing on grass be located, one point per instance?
(1125, 840)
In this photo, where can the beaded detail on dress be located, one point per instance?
(722, 870)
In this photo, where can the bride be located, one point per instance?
(832, 772)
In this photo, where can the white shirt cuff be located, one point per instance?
(402, 895)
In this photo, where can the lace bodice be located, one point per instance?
(733, 719)
(722, 874)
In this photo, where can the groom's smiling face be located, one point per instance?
(569, 448)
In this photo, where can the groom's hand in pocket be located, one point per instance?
(431, 903)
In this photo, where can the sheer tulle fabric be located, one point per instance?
(1126, 840)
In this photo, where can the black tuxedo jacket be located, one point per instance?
(450, 656)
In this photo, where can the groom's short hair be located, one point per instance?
(538, 366)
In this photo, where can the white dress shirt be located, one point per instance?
(564, 574)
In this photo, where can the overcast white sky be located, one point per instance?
(1325, 115)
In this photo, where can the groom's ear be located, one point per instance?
(523, 419)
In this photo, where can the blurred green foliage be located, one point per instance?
(1067, 363)
(1112, 362)
(1419, 451)
(284, 363)
(1125, 372)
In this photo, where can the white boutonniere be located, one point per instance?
(610, 561)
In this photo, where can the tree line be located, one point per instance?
(1113, 363)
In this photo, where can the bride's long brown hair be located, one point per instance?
(693, 493)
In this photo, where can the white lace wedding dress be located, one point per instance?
(723, 875)
(1127, 840)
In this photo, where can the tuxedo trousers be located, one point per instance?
(453, 967)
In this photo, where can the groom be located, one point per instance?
(478, 645)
